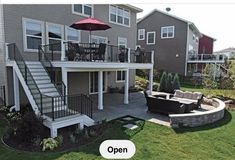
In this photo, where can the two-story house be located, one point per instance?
(39, 43)
(174, 40)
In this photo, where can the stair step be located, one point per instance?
(41, 78)
(35, 66)
(39, 73)
(52, 94)
(52, 89)
(33, 62)
(49, 85)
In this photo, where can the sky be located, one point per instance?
(213, 19)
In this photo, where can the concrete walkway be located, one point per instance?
(114, 108)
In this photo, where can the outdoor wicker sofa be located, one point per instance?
(195, 97)
(164, 106)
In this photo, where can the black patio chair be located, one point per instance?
(101, 52)
(72, 51)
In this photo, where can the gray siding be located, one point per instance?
(62, 14)
(166, 49)
(78, 82)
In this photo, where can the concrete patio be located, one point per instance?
(114, 108)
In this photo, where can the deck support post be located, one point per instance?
(62, 51)
(100, 90)
(126, 91)
(16, 92)
(150, 87)
(65, 79)
(53, 132)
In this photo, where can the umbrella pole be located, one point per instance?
(90, 45)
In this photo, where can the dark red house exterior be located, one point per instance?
(206, 44)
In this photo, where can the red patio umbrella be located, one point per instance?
(90, 24)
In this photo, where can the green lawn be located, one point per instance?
(153, 142)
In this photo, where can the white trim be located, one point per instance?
(134, 7)
(24, 20)
(167, 37)
(139, 30)
(82, 14)
(122, 39)
(154, 37)
(57, 25)
(117, 14)
(105, 82)
(66, 35)
(123, 80)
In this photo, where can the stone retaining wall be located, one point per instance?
(200, 118)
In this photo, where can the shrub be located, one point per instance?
(176, 82)
(208, 80)
(169, 88)
(60, 140)
(49, 143)
(163, 83)
(29, 128)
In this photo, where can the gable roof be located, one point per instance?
(191, 24)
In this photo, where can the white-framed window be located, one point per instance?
(167, 32)
(120, 76)
(33, 34)
(119, 15)
(141, 34)
(86, 10)
(72, 35)
(122, 42)
(54, 35)
(98, 39)
(151, 37)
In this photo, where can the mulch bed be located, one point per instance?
(67, 144)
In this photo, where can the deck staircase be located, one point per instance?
(46, 97)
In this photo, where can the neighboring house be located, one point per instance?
(49, 80)
(228, 52)
(174, 40)
(206, 44)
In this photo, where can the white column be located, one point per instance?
(152, 57)
(53, 132)
(16, 91)
(126, 92)
(65, 79)
(100, 90)
(62, 50)
(150, 87)
(7, 51)
(129, 55)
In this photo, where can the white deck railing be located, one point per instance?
(206, 58)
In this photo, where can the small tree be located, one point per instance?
(169, 88)
(209, 75)
(162, 87)
(176, 82)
